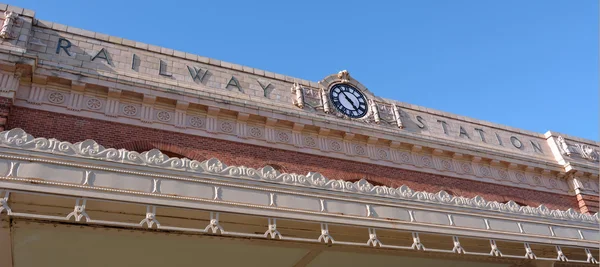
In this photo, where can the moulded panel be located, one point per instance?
(297, 202)
(468, 221)
(503, 225)
(242, 195)
(536, 229)
(187, 189)
(122, 181)
(566, 232)
(50, 172)
(348, 208)
(4, 167)
(386, 212)
(591, 235)
(431, 217)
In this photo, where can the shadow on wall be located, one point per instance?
(169, 149)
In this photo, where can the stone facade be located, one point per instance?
(63, 83)
(132, 83)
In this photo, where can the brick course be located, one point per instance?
(110, 134)
(588, 203)
(5, 105)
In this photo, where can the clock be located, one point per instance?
(348, 100)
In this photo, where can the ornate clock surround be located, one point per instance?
(343, 77)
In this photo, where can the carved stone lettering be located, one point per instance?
(163, 69)
(63, 44)
(265, 88)
(197, 74)
(103, 54)
(234, 82)
(444, 126)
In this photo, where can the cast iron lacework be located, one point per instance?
(19, 139)
(215, 228)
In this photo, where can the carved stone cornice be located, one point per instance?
(403, 154)
(89, 149)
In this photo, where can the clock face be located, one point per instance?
(348, 100)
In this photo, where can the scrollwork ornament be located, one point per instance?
(325, 101)
(335, 146)
(56, 98)
(214, 165)
(310, 141)
(447, 165)
(163, 116)
(256, 132)
(485, 170)
(197, 122)
(360, 150)
(466, 167)
(130, 110)
(298, 92)
(344, 76)
(10, 19)
(94, 104)
(19, 139)
(427, 161)
(226, 127)
(589, 153)
(562, 145)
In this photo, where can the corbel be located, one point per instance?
(437, 152)
(416, 148)
(458, 156)
(39, 79)
(395, 144)
(529, 169)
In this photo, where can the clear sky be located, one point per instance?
(529, 64)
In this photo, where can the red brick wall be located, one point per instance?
(588, 203)
(110, 134)
(5, 104)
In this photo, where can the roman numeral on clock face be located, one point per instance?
(348, 100)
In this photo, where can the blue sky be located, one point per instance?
(528, 64)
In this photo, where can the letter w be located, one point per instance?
(196, 73)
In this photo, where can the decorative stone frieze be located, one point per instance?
(180, 114)
(585, 151)
(147, 110)
(407, 155)
(93, 103)
(242, 125)
(10, 19)
(36, 94)
(9, 82)
(112, 103)
(211, 119)
(298, 92)
(20, 140)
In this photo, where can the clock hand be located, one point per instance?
(349, 100)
